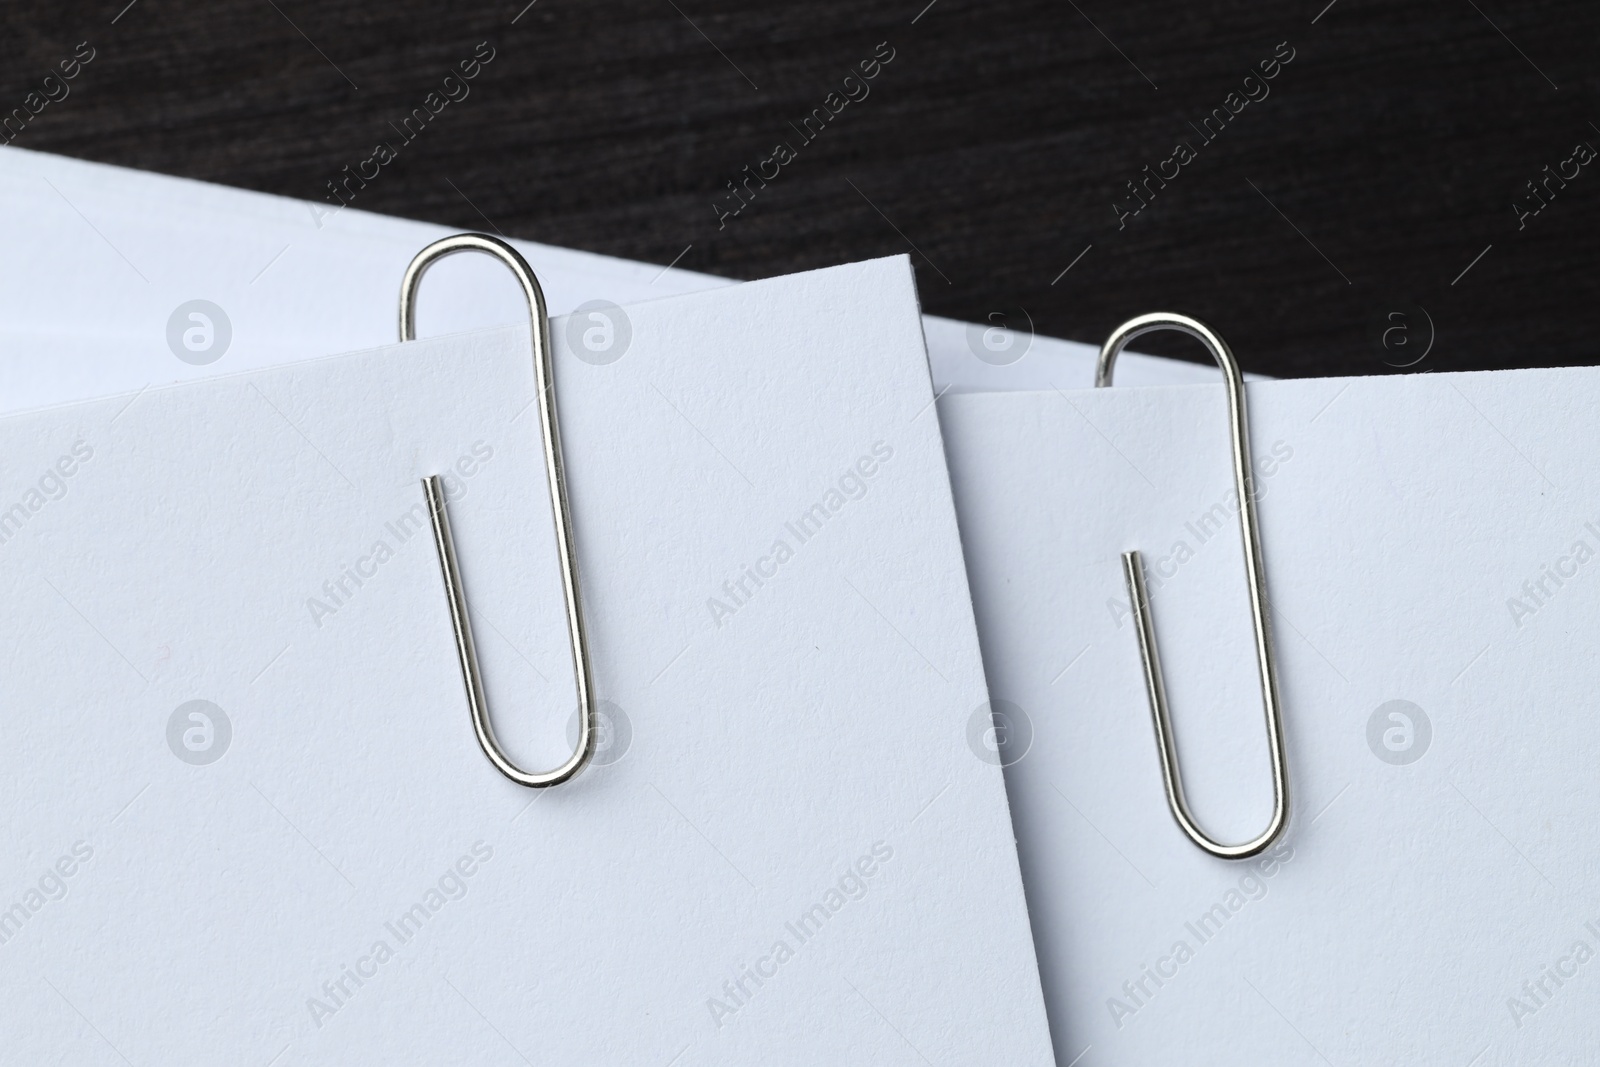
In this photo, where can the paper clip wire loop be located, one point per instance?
(433, 487)
(1133, 570)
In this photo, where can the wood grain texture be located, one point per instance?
(1388, 155)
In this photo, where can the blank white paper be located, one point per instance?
(248, 820)
(1430, 549)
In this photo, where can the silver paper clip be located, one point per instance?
(433, 487)
(1133, 570)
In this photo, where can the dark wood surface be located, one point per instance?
(1388, 156)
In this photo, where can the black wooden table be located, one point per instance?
(1340, 188)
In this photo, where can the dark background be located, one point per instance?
(1384, 163)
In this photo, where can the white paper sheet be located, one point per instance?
(1431, 550)
(212, 882)
(116, 254)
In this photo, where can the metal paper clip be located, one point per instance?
(433, 487)
(1133, 570)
